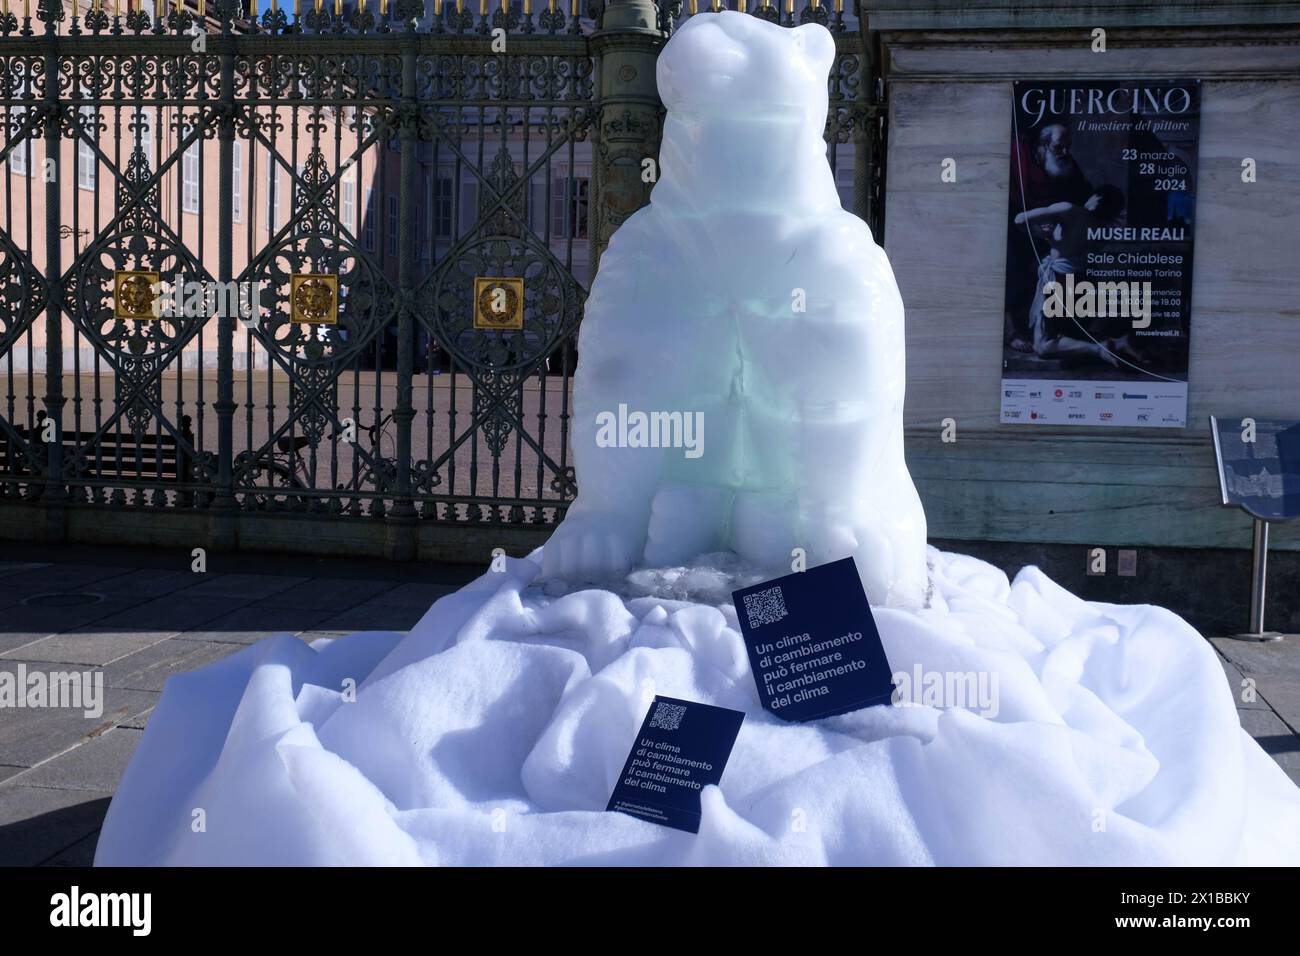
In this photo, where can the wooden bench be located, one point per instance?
(112, 457)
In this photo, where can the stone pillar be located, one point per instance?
(628, 116)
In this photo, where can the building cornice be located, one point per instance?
(962, 15)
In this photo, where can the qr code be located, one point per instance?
(765, 607)
(668, 716)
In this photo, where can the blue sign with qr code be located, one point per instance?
(681, 748)
(813, 644)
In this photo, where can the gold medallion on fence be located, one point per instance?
(134, 293)
(314, 298)
(498, 303)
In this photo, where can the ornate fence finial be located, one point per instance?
(225, 12)
(409, 11)
(51, 13)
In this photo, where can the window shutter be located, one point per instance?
(559, 207)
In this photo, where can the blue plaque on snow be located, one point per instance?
(1259, 465)
(682, 747)
(813, 644)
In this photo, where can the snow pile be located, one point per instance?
(495, 731)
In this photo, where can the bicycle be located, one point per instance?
(289, 470)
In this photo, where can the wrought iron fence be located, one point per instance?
(327, 263)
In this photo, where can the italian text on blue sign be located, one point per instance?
(681, 748)
(813, 644)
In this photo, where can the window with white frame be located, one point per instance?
(569, 195)
(578, 202)
(190, 177)
(392, 224)
(272, 195)
(237, 181)
(349, 204)
(85, 152)
(20, 157)
(443, 196)
(368, 227)
(144, 123)
(295, 188)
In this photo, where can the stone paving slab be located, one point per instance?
(147, 583)
(1283, 696)
(81, 853)
(1253, 658)
(1273, 719)
(29, 736)
(12, 642)
(1240, 690)
(14, 567)
(374, 617)
(1276, 739)
(415, 594)
(61, 577)
(97, 765)
(93, 645)
(172, 613)
(253, 587)
(330, 594)
(149, 669)
(248, 625)
(10, 596)
(44, 621)
(38, 824)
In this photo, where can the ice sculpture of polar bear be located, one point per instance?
(744, 297)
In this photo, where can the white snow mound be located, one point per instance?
(495, 731)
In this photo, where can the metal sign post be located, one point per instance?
(1258, 574)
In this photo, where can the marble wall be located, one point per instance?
(950, 96)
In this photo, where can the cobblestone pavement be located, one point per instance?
(140, 616)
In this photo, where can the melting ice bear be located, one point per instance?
(745, 297)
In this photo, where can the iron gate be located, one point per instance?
(323, 264)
